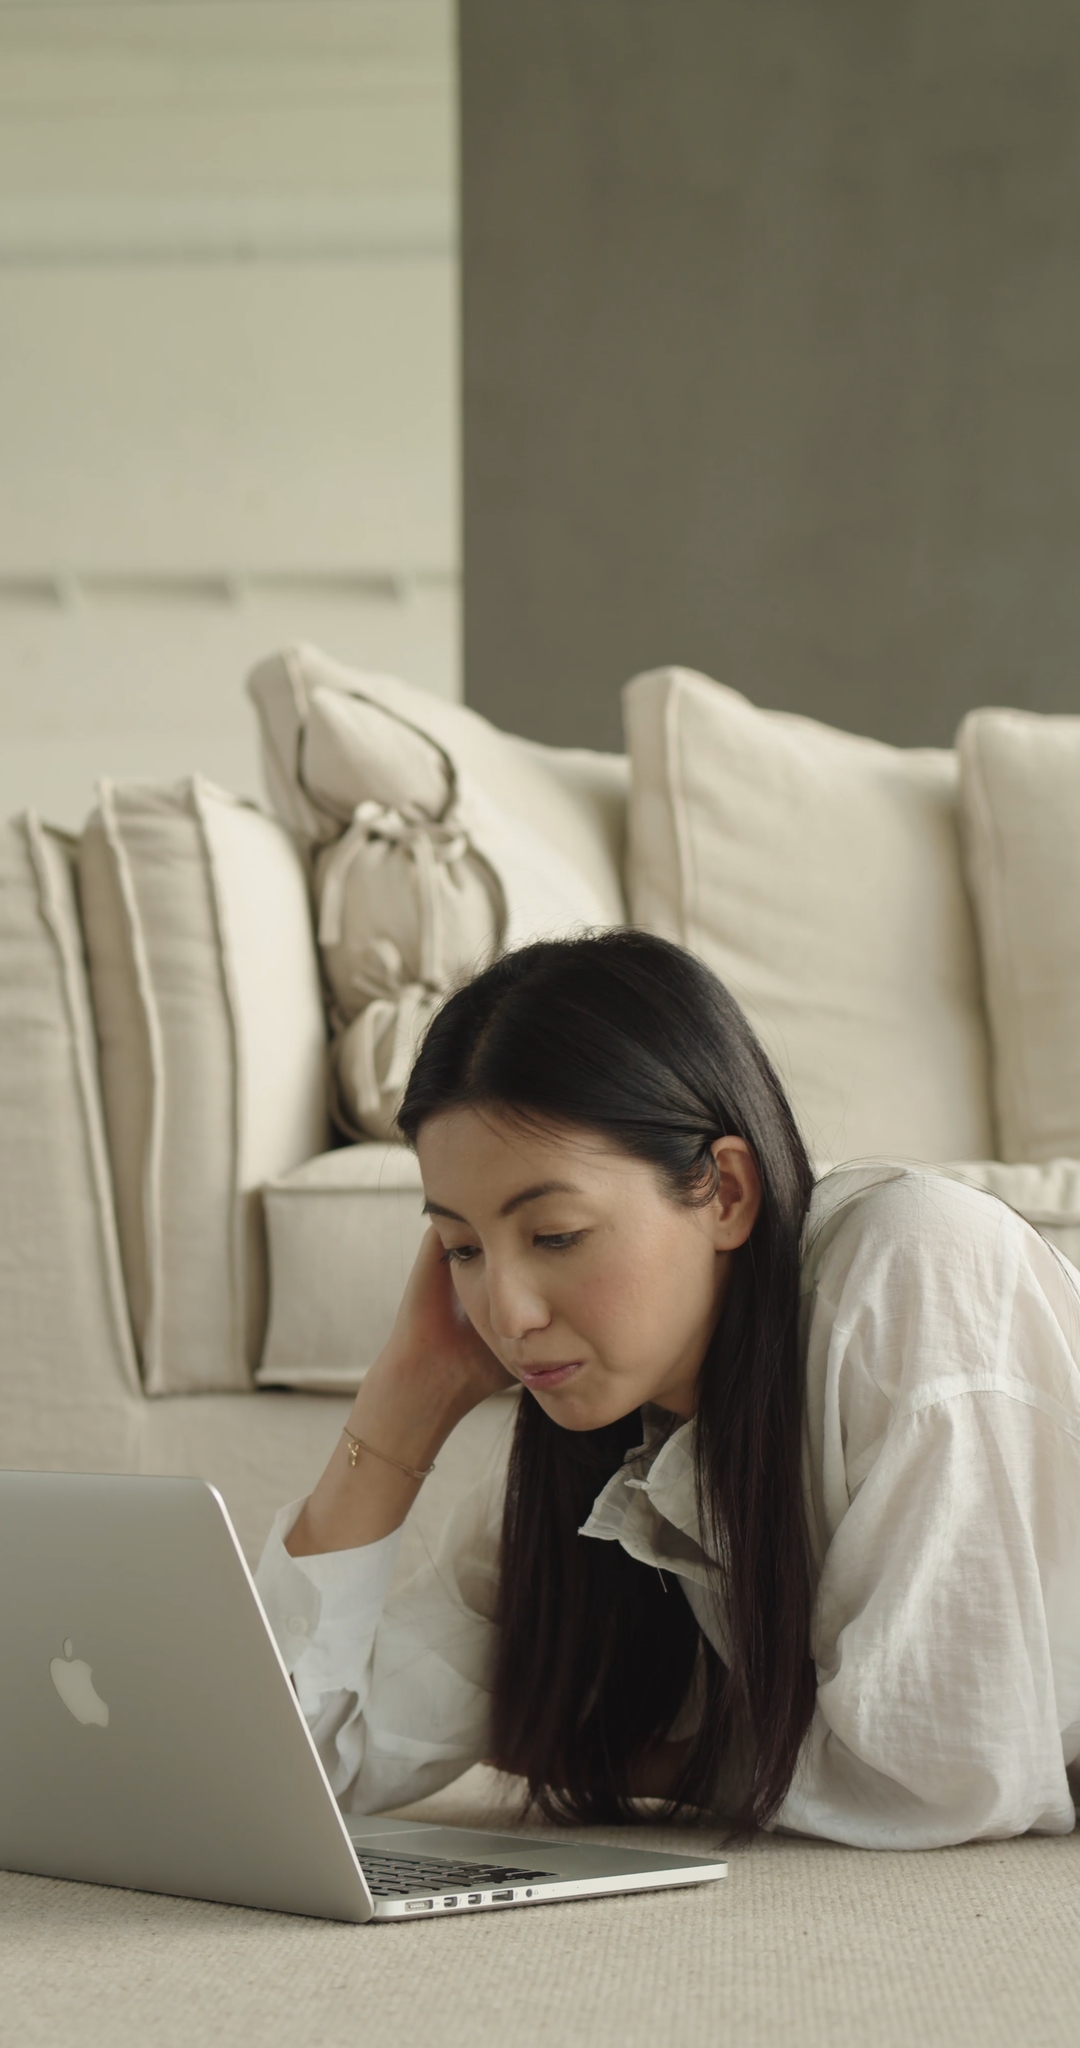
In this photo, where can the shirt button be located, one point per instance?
(296, 1625)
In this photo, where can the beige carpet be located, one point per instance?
(802, 1945)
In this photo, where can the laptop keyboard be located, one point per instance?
(398, 1876)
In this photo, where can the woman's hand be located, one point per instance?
(433, 1342)
(431, 1371)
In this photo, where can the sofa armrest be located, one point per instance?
(65, 1336)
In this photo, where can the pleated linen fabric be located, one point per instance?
(213, 1059)
(820, 876)
(65, 1334)
(1020, 815)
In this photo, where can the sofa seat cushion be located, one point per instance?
(820, 876)
(213, 1059)
(436, 843)
(343, 1232)
(1020, 814)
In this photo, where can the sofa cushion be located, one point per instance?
(436, 842)
(213, 1059)
(819, 875)
(343, 1232)
(1020, 814)
(570, 796)
(1047, 1196)
(65, 1337)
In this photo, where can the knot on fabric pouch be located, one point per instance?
(373, 1055)
(407, 906)
(398, 876)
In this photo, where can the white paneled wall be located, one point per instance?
(227, 371)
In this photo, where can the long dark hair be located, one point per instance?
(625, 1035)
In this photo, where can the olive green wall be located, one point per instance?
(772, 356)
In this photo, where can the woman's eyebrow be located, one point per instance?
(544, 1187)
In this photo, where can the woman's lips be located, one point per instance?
(549, 1375)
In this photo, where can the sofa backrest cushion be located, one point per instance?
(66, 1334)
(436, 842)
(213, 1059)
(820, 876)
(1020, 814)
(569, 796)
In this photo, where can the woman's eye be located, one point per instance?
(550, 1241)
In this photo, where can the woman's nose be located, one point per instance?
(514, 1308)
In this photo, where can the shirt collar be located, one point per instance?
(649, 1505)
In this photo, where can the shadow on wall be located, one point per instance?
(771, 358)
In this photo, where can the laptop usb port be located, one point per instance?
(500, 1895)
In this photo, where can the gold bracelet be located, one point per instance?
(357, 1444)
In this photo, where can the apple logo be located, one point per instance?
(71, 1677)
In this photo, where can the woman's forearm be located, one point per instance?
(357, 1504)
(433, 1369)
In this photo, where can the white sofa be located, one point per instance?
(195, 1268)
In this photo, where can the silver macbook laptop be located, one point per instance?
(150, 1737)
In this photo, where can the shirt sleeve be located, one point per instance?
(947, 1616)
(391, 1665)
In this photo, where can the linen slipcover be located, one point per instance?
(1020, 813)
(213, 1059)
(819, 875)
(343, 1232)
(436, 843)
(69, 1368)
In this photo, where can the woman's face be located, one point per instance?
(589, 1282)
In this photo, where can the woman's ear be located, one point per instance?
(737, 1199)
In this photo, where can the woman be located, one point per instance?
(790, 1529)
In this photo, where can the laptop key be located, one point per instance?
(396, 1876)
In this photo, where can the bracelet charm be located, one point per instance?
(357, 1444)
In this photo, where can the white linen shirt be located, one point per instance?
(941, 1339)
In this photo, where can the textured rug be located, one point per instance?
(802, 1944)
